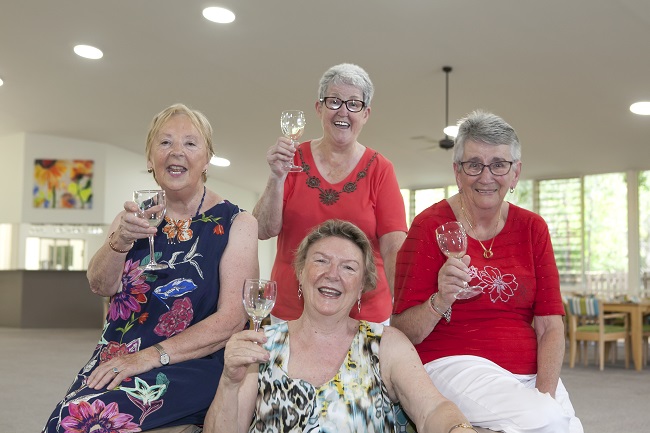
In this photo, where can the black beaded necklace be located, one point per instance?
(200, 204)
(330, 196)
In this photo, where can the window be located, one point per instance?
(644, 230)
(560, 204)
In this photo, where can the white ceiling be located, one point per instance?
(562, 72)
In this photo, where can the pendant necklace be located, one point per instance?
(487, 252)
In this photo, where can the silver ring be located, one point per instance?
(115, 370)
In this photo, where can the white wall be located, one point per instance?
(117, 172)
(11, 195)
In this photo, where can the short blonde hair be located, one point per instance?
(343, 230)
(197, 118)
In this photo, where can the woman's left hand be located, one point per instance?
(111, 373)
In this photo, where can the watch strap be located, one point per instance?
(164, 356)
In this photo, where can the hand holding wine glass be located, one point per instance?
(452, 240)
(259, 298)
(152, 207)
(292, 123)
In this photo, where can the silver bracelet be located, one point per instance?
(445, 315)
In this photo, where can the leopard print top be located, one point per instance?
(354, 400)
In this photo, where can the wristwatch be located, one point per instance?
(164, 357)
(443, 314)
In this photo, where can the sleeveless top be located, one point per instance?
(151, 307)
(354, 400)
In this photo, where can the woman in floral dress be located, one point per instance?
(159, 358)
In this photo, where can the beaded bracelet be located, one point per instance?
(117, 250)
(462, 425)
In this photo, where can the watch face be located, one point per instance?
(164, 359)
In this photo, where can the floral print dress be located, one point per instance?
(151, 307)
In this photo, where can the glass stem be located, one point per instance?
(256, 324)
(152, 256)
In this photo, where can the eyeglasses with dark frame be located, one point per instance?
(498, 168)
(333, 103)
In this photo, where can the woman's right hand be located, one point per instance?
(452, 277)
(243, 349)
(280, 156)
(131, 227)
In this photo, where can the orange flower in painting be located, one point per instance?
(81, 169)
(143, 318)
(49, 171)
(218, 229)
(178, 230)
(68, 201)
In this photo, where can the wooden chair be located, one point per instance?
(646, 335)
(587, 322)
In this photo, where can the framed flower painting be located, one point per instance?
(63, 184)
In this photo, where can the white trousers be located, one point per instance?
(494, 398)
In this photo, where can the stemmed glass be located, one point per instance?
(152, 208)
(259, 298)
(292, 123)
(452, 240)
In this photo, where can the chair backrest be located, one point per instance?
(586, 307)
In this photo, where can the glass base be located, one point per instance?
(153, 267)
(294, 168)
(468, 292)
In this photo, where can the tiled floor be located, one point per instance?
(37, 366)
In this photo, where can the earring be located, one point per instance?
(359, 305)
(299, 291)
(512, 190)
(150, 170)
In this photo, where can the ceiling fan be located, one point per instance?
(446, 143)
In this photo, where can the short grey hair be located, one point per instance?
(484, 127)
(344, 230)
(349, 74)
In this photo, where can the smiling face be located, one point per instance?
(341, 126)
(178, 154)
(332, 278)
(486, 191)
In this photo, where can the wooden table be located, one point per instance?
(636, 312)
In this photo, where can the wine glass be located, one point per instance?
(259, 298)
(292, 123)
(152, 208)
(452, 240)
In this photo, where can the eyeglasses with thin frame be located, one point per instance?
(498, 168)
(333, 103)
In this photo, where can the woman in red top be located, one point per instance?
(498, 355)
(341, 179)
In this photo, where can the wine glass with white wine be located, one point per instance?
(452, 240)
(259, 298)
(152, 207)
(292, 123)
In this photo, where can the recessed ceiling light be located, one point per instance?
(218, 15)
(88, 52)
(1, 82)
(642, 108)
(451, 130)
(219, 162)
